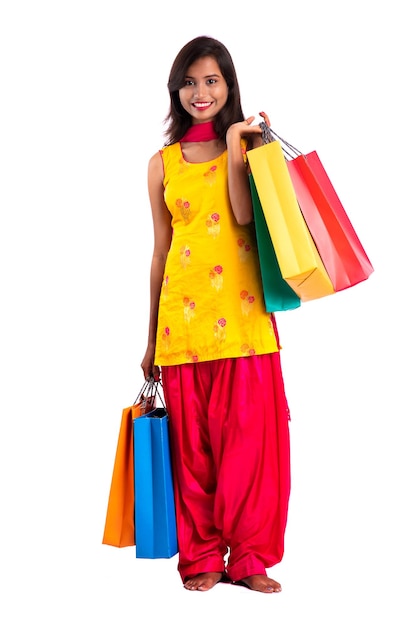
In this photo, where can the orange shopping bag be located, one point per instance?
(119, 528)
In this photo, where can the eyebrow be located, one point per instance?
(208, 76)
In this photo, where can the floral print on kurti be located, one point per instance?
(211, 303)
(213, 224)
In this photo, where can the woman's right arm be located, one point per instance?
(162, 240)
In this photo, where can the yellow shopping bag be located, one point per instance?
(296, 252)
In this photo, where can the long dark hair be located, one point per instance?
(177, 119)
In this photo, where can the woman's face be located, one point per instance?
(205, 91)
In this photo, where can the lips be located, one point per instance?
(202, 105)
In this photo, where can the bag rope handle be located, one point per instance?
(268, 135)
(150, 390)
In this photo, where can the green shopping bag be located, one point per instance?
(278, 295)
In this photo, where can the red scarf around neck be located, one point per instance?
(200, 132)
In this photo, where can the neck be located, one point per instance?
(200, 132)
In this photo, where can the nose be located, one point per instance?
(200, 89)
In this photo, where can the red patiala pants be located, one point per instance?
(229, 429)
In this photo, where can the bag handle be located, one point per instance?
(268, 135)
(149, 391)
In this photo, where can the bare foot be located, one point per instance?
(203, 582)
(262, 583)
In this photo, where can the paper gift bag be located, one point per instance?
(298, 258)
(119, 528)
(155, 520)
(337, 242)
(278, 295)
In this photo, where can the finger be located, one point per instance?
(148, 373)
(250, 120)
(265, 117)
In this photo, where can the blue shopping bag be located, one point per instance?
(155, 518)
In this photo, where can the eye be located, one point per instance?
(212, 81)
(188, 83)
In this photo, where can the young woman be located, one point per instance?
(210, 336)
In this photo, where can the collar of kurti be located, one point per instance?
(200, 132)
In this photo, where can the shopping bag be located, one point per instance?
(155, 518)
(119, 528)
(298, 258)
(337, 242)
(278, 295)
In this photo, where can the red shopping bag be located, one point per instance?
(337, 242)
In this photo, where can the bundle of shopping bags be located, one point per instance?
(141, 509)
(307, 245)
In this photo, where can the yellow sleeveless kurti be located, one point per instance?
(211, 303)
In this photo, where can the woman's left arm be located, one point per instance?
(238, 185)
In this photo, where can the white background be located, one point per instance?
(83, 97)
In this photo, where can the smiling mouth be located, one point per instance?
(202, 105)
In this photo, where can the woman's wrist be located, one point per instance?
(233, 136)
